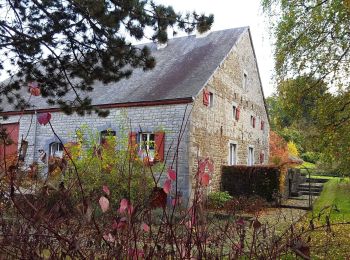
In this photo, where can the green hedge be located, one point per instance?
(242, 180)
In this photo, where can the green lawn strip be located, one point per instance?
(334, 201)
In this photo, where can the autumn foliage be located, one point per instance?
(278, 149)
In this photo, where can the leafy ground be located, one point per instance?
(332, 240)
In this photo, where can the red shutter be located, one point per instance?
(262, 157)
(262, 125)
(205, 97)
(253, 122)
(9, 150)
(159, 143)
(237, 113)
(132, 143)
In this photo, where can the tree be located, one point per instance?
(67, 45)
(312, 43)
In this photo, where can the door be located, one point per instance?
(9, 140)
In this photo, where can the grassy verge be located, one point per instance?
(331, 241)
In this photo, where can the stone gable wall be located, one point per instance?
(213, 128)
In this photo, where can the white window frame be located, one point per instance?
(250, 158)
(211, 99)
(56, 150)
(232, 154)
(144, 145)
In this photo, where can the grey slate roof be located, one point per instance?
(182, 69)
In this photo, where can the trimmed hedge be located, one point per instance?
(248, 181)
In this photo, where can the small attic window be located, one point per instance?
(245, 81)
(211, 99)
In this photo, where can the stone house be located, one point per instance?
(204, 96)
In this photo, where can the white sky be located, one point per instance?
(237, 13)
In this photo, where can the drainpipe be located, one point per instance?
(34, 141)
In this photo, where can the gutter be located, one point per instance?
(175, 101)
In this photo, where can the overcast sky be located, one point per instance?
(237, 13)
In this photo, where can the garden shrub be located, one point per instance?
(111, 163)
(262, 181)
(218, 199)
(310, 157)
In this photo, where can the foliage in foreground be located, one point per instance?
(81, 219)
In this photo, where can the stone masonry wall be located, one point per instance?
(166, 117)
(212, 129)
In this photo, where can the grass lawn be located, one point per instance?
(331, 242)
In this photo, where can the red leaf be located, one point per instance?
(44, 118)
(205, 179)
(35, 91)
(104, 203)
(158, 198)
(167, 186)
(130, 209)
(210, 166)
(124, 203)
(121, 224)
(145, 227)
(106, 189)
(172, 174)
(201, 166)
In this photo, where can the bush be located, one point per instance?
(218, 199)
(112, 164)
(262, 181)
(310, 157)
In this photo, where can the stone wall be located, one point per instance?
(151, 118)
(212, 129)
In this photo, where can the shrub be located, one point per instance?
(262, 181)
(218, 199)
(111, 163)
(310, 157)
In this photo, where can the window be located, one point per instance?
(233, 154)
(252, 121)
(250, 156)
(262, 125)
(245, 81)
(211, 99)
(56, 150)
(106, 135)
(234, 108)
(147, 145)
